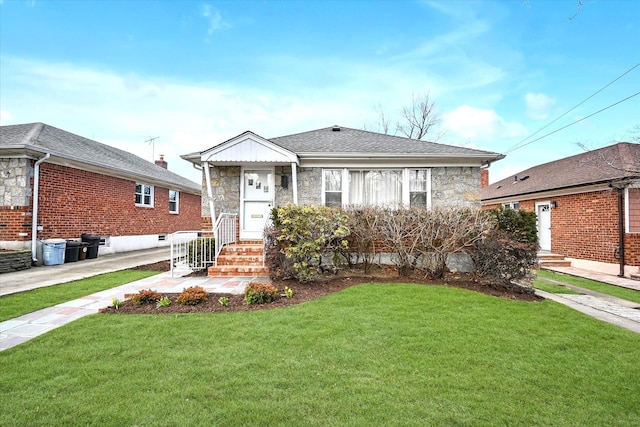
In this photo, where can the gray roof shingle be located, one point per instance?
(612, 163)
(48, 139)
(355, 141)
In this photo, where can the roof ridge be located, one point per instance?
(31, 138)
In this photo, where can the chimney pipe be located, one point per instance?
(161, 162)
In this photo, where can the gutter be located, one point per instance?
(34, 214)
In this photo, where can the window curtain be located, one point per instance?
(375, 187)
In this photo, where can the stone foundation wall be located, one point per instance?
(14, 261)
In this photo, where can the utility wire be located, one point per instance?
(577, 121)
(521, 143)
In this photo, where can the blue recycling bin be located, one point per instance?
(53, 251)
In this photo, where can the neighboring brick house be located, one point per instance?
(334, 166)
(83, 186)
(588, 206)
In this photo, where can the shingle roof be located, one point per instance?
(43, 138)
(338, 139)
(612, 163)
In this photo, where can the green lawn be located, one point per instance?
(26, 302)
(605, 288)
(371, 355)
(553, 288)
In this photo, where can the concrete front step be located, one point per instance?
(242, 259)
(238, 270)
(247, 260)
(552, 260)
(635, 277)
(242, 249)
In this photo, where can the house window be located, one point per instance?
(144, 195)
(511, 205)
(381, 187)
(418, 188)
(633, 210)
(375, 187)
(174, 198)
(333, 187)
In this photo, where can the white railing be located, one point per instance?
(191, 251)
(224, 231)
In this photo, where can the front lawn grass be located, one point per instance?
(605, 288)
(370, 355)
(553, 288)
(15, 305)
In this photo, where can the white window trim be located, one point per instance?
(406, 193)
(151, 196)
(511, 205)
(177, 210)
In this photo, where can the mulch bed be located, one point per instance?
(308, 291)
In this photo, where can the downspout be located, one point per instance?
(212, 210)
(621, 231)
(34, 214)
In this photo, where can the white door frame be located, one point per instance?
(254, 234)
(544, 233)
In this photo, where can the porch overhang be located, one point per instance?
(248, 148)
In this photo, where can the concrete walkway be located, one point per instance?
(617, 311)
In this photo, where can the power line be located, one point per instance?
(577, 121)
(518, 145)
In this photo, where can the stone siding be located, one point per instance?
(15, 175)
(455, 186)
(310, 186)
(225, 183)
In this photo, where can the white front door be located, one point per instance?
(257, 198)
(544, 225)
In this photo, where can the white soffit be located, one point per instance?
(248, 148)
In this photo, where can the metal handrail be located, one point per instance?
(224, 232)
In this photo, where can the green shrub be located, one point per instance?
(192, 296)
(163, 302)
(200, 250)
(259, 293)
(521, 225)
(311, 238)
(503, 259)
(146, 296)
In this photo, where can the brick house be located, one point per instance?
(588, 206)
(54, 184)
(335, 166)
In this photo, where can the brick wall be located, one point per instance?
(585, 226)
(73, 201)
(14, 221)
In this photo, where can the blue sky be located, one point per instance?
(195, 73)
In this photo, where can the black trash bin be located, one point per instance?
(72, 251)
(94, 241)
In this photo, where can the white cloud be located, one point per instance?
(478, 124)
(215, 20)
(539, 105)
(125, 110)
(5, 116)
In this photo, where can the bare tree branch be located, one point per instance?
(418, 118)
